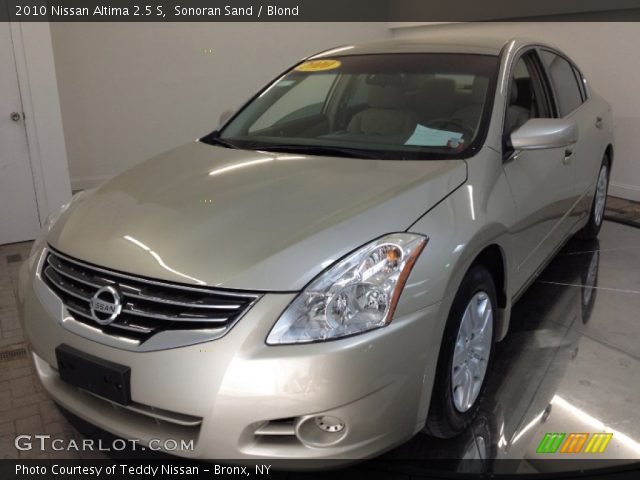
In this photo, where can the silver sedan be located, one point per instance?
(326, 274)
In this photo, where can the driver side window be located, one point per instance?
(526, 95)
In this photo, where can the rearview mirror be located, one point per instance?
(226, 115)
(541, 133)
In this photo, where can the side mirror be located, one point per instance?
(541, 133)
(226, 115)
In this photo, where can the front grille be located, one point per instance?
(147, 306)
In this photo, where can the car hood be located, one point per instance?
(249, 220)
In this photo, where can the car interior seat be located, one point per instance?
(387, 112)
(469, 115)
(435, 99)
(516, 115)
(526, 96)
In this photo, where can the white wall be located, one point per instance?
(41, 105)
(132, 90)
(608, 55)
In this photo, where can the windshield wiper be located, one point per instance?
(317, 150)
(215, 140)
(328, 150)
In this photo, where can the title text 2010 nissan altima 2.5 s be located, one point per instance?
(326, 274)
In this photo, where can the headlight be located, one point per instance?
(357, 294)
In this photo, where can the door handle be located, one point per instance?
(599, 122)
(15, 116)
(568, 156)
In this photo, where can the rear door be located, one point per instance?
(573, 103)
(541, 181)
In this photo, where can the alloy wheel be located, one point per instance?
(471, 351)
(601, 195)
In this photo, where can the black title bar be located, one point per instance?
(398, 469)
(316, 10)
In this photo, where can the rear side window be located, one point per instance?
(565, 83)
(582, 83)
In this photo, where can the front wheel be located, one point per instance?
(596, 216)
(465, 356)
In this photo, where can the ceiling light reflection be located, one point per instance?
(473, 209)
(258, 161)
(458, 248)
(336, 50)
(158, 259)
(289, 157)
(239, 165)
(597, 424)
(528, 427)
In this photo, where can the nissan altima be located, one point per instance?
(326, 274)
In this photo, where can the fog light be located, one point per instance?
(329, 424)
(321, 430)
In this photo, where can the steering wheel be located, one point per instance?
(454, 122)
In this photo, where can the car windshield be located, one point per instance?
(390, 106)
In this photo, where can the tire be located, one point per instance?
(450, 411)
(596, 215)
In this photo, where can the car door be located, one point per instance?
(541, 181)
(573, 103)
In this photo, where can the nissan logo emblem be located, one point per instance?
(105, 305)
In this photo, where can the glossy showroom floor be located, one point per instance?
(571, 363)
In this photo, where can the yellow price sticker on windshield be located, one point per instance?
(318, 65)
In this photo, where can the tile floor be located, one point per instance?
(571, 362)
(620, 209)
(24, 406)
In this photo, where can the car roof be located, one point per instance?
(486, 45)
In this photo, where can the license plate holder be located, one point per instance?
(93, 374)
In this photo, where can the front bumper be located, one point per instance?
(238, 398)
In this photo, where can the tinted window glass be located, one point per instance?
(581, 82)
(359, 93)
(564, 81)
(306, 98)
(373, 106)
